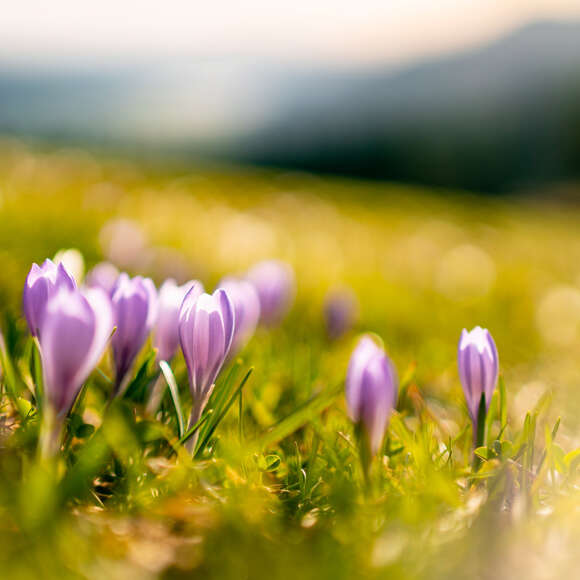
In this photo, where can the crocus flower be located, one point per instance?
(166, 335)
(74, 333)
(274, 282)
(371, 390)
(246, 307)
(41, 284)
(206, 331)
(340, 312)
(104, 275)
(478, 364)
(134, 303)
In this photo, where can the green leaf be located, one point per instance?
(174, 392)
(148, 431)
(24, 407)
(268, 463)
(502, 405)
(137, 389)
(89, 462)
(483, 453)
(196, 426)
(480, 437)
(13, 385)
(300, 417)
(217, 417)
(572, 460)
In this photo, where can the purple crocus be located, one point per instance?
(166, 334)
(478, 365)
(104, 275)
(340, 312)
(41, 284)
(371, 390)
(74, 333)
(275, 284)
(134, 303)
(247, 310)
(206, 331)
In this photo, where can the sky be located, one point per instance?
(338, 32)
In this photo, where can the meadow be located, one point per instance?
(276, 488)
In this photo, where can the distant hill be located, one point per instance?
(505, 116)
(494, 119)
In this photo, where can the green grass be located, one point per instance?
(276, 489)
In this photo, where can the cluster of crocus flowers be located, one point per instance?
(478, 365)
(74, 324)
(371, 393)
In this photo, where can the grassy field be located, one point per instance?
(278, 491)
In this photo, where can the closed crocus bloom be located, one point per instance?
(371, 390)
(166, 335)
(274, 282)
(134, 303)
(74, 333)
(104, 275)
(340, 312)
(246, 308)
(41, 284)
(206, 330)
(478, 364)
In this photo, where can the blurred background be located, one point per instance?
(479, 96)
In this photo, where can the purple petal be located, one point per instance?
(67, 336)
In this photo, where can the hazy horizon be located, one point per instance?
(337, 34)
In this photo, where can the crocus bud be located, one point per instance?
(274, 282)
(74, 333)
(371, 390)
(104, 275)
(340, 312)
(206, 330)
(41, 284)
(478, 365)
(134, 303)
(166, 335)
(246, 308)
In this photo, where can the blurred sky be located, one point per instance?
(340, 32)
